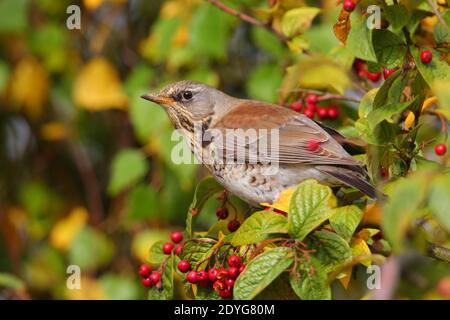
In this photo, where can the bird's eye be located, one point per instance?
(187, 95)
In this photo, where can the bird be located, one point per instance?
(305, 149)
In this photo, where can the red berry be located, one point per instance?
(218, 285)
(349, 5)
(204, 283)
(202, 275)
(225, 293)
(426, 56)
(440, 149)
(184, 266)
(222, 273)
(313, 145)
(212, 274)
(322, 112)
(311, 99)
(234, 261)
(374, 76)
(176, 236)
(233, 225)
(147, 282)
(242, 268)
(222, 213)
(384, 173)
(178, 249)
(309, 113)
(359, 64)
(387, 72)
(192, 277)
(297, 106)
(145, 270)
(233, 272)
(229, 283)
(168, 247)
(155, 277)
(333, 112)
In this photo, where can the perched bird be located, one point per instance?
(303, 149)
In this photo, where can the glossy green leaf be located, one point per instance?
(332, 249)
(261, 271)
(258, 227)
(345, 220)
(156, 254)
(309, 280)
(437, 69)
(359, 39)
(389, 48)
(310, 206)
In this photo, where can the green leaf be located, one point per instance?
(345, 220)
(442, 90)
(206, 294)
(258, 227)
(402, 207)
(91, 249)
(142, 202)
(163, 31)
(8, 280)
(397, 15)
(261, 271)
(196, 251)
(13, 15)
(206, 189)
(268, 42)
(383, 92)
(166, 291)
(264, 81)
(386, 113)
(309, 280)
(310, 206)
(359, 39)
(437, 69)
(366, 104)
(439, 200)
(119, 287)
(298, 20)
(128, 166)
(156, 254)
(389, 48)
(279, 289)
(441, 33)
(332, 249)
(209, 31)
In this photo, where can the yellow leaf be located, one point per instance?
(345, 276)
(429, 102)
(90, 290)
(64, 231)
(98, 87)
(360, 248)
(283, 200)
(409, 121)
(28, 87)
(94, 4)
(54, 131)
(366, 233)
(372, 215)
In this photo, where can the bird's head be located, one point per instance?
(189, 102)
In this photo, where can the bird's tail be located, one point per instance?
(353, 176)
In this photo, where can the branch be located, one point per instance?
(249, 19)
(438, 252)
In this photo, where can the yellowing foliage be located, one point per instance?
(65, 230)
(28, 87)
(97, 87)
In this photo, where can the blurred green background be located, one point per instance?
(86, 176)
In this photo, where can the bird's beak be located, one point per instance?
(157, 99)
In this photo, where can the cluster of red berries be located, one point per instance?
(149, 278)
(311, 108)
(176, 237)
(220, 279)
(362, 71)
(222, 214)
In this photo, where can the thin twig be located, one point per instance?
(249, 19)
(436, 11)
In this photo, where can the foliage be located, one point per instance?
(88, 179)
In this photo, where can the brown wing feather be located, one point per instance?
(295, 131)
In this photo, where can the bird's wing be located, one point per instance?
(288, 132)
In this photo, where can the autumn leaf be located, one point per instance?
(97, 87)
(64, 231)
